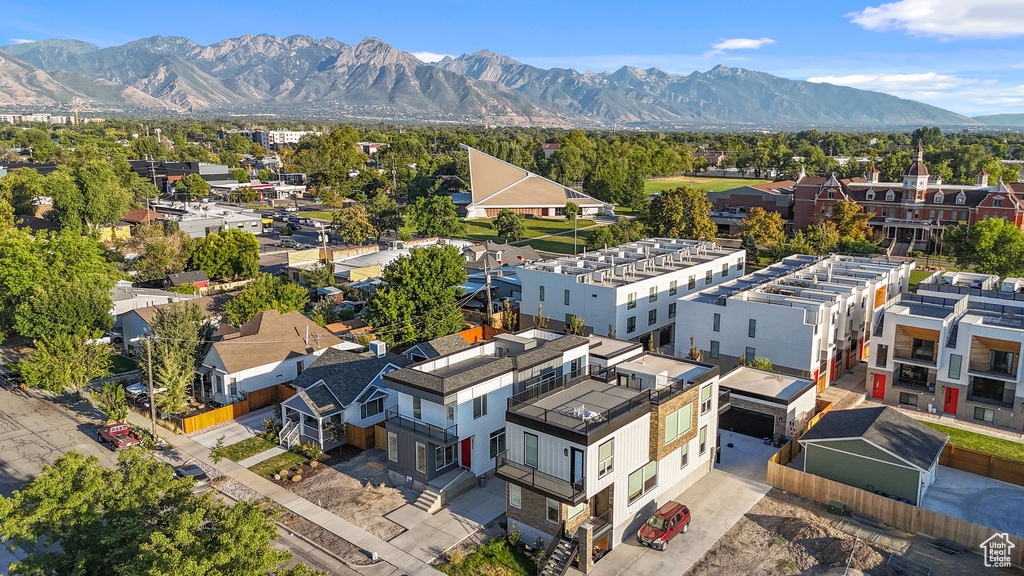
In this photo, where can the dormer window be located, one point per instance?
(961, 198)
(890, 196)
(870, 195)
(997, 202)
(939, 197)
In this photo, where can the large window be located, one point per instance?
(576, 510)
(988, 388)
(630, 324)
(653, 294)
(643, 481)
(371, 408)
(923, 350)
(444, 456)
(652, 317)
(705, 399)
(678, 423)
(515, 496)
(1001, 362)
(421, 458)
(417, 407)
(605, 458)
(714, 349)
(552, 511)
(479, 406)
(392, 446)
(955, 360)
(703, 440)
(530, 441)
(497, 442)
(881, 355)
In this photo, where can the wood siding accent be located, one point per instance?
(253, 401)
(660, 412)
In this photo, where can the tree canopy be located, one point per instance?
(65, 361)
(135, 518)
(265, 292)
(193, 186)
(680, 213)
(851, 220)
(992, 246)
(353, 225)
(435, 216)
(509, 225)
(765, 228)
(159, 249)
(231, 254)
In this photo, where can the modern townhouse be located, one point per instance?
(954, 348)
(450, 417)
(810, 316)
(587, 457)
(628, 291)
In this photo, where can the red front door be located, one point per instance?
(878, 387)
(467, 453)
(952, 395)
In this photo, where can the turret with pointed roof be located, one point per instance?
(916, 177)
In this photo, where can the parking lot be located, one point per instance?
(977, 499)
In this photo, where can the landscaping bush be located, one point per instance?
(271, 431)
(496, 556)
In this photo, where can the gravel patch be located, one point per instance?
(229, 486)
(362, 505)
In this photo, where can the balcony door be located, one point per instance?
(576, 470)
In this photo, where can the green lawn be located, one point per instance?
(982, 443)
(492, 557)
(916, 276)
(248, 447)
(709, 184)
(121, 364)
(272, 466)
(319, 214)
(481, 230)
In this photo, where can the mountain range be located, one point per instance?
(304, 77)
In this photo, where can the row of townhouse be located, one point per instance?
(954, 348)
(810, 316)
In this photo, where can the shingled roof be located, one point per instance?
(336, 379)
(887, 429)
(272, 337)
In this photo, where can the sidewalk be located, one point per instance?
(185, 448)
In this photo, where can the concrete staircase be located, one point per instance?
(429, 501)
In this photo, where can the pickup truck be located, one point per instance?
(118, 436)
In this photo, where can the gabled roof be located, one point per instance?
(440, 346)
(272, 337)
(339, 377)
(210, 305)
(190, 277)
(498, 184)
(887, 429)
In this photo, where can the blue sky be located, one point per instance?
(964, 55)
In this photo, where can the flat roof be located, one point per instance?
(606, 347)
(745, 380)
(677, 368)
(592, 396)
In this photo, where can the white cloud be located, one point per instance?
(897, 83)
(946, 18)
(738, 44)
(21, 40)
(429, 56)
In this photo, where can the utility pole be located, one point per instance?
(152, 398)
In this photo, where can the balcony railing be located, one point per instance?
(546, 386)
(443, 435)
(724, 402)
(989, 400)
(919, 385)
(520, 473)
(989, 371)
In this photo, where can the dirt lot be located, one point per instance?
(358, 492)
(784, 534)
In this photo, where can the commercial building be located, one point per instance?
(588, 456)
(810, 316)
(954, 348)
(628, 291)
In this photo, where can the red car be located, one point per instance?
(671, 519)
(117, 436)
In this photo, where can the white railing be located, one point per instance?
(289, 434)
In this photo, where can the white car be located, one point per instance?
(291, 209)
(138, 389)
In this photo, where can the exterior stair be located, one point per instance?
(429, 501)
(558, 562)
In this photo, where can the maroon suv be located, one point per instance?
(671, 519)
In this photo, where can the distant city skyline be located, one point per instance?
(967, 57)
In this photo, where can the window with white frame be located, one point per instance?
(392, 446)
(678, 423)
(605, 458)
(444, 456)
(515, 495)
(643, 481)
(497, 442)
(479, 406)
(421, 458)
(705, 399)
(371, 408)
(684, 455)
(576, 510)
(703, 440)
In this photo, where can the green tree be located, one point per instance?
(20, 187)
(992, 246)
(384, 214)
(851, 220)
(761, 363)
(765, 228)
(509, 317)
(509, 225)
(575, 325)
(320, 275)
(571, 211)
(135, 518)
(240, 175)
(820, 238)
(179, 331)
(265, 175)
(435, 216)
(193, 186)
(265, 292)
(111, 401)
(353, 225)
(65, 361)
(622, 231)
(159, 249)
(229, 253)
(680, 213)
(418, 300)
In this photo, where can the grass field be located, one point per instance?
(481, 230)
(916, 276)
(709, 184)
(319, 214)
(982, 443)
(272, 466)
(248, 447)
(495, 557)
(121, 364)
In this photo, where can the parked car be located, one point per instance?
(671, 519)
(291, 209)
(117, 436)
(289, 243)
(202, 481)
(134, 391)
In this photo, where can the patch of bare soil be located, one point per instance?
(327, 540)
(784, 534)
(363, 504)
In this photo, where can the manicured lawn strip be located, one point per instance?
(121, 365)
(481, 230)
(248, 447)
(709, 184)
(982, 443)
(272, 466)
(319, 214)
(492, 557)
(916, 276)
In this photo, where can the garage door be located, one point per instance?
(747, 422)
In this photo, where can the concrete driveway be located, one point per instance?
(236, 430)
(717, 501)
(977, 499)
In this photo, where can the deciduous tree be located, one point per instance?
(992, 246)
(851, 220)
(765, 228)
(159, 249)
(435, 216)
(193, 186)
(266, 292)
(384, 214)
(680, 213)
(509, 225)
(353, 225)
(65, 362)
(229, 253)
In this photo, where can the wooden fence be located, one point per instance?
(982, 464)
(253, 401)
(886, 510)
(790, 449)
